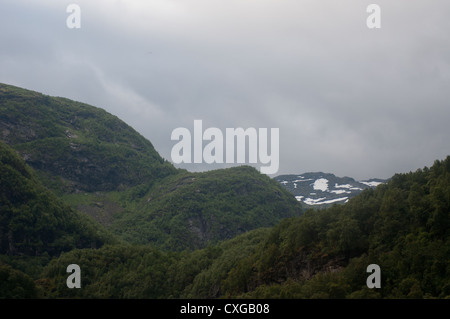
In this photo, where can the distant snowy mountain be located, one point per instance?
(323, 189)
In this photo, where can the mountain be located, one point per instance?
(76, 147)
(232, 233)
(401, 226)
(103, 168)
(33, 221)
(317, 189)
(193, 210)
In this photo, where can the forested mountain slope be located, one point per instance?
(102, 167)
(77, 147)
(33, 221)
(403, 227)
(193, 210)
(174, 234)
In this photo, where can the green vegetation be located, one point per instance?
(35, 226)
(16, 284)
(74, 146)
(158, 232)
(132, 271)
(403, 227)
(101, 167)
(192, 210)
(321, 254)
(32, 220)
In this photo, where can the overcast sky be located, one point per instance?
(347, 99)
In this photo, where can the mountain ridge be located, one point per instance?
(192, 210)
(102, 167)
(402, 226)
(161, 244)
(319, 189)
(74, 146)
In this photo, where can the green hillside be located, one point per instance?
(74, 146)
(193, 210)
(101, 167)
(132, 271)
(32, 220)
(402, 226)
(159, 232)
(35, 226)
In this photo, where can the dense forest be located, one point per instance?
(33, 221)
(402, 227)
(194, 210)
(231, 233)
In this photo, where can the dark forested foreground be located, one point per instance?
(402, 227)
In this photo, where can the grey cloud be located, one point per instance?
(348, 100)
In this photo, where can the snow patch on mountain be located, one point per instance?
(322, 201)
(372, 184)
(321, 189)
(321, 184)
(311, 201)
(340, 191)
(342, 186)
